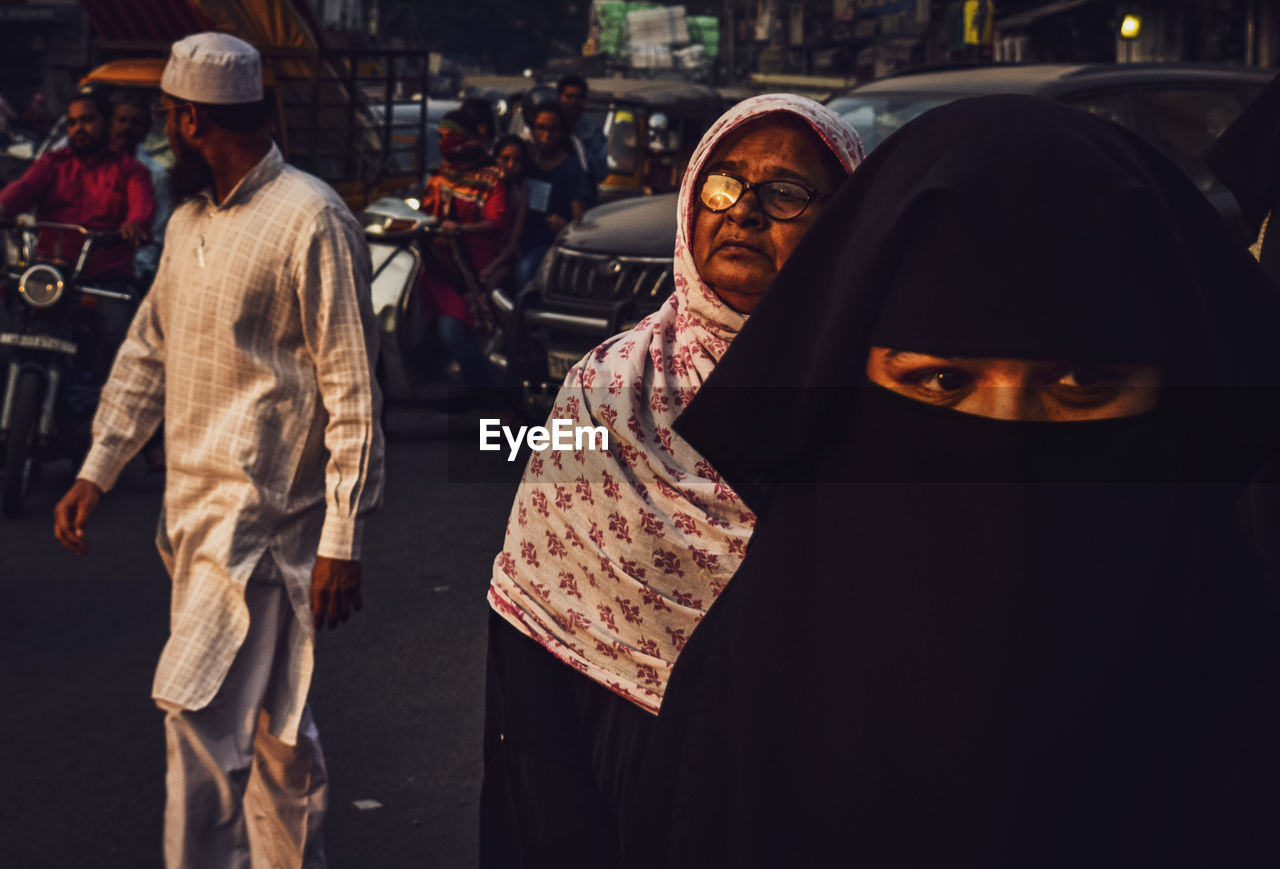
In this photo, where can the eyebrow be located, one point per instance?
(911, 355)
(772, 173)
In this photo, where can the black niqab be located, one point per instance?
(1246, 158)
(958, 641)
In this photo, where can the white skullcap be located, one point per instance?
(213, 68)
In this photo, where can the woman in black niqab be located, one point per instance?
(969, 642)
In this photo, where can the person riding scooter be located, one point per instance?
(467, 195)
(90, 185)
(130, 123)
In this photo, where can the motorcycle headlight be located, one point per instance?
(41, 285)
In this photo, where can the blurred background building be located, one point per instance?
(46, 44)
(869, 38)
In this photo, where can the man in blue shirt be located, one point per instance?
(587, 139)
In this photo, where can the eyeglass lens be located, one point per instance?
(781, 200)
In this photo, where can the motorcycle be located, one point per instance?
(57, 361)
(413, 366)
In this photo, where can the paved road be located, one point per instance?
(398, 694)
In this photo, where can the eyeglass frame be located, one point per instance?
(747, 186)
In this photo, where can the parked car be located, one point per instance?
(1179, 108)
(606, 270)
(613, 266)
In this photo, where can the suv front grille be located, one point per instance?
(577, 277)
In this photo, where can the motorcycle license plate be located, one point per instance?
(38, 342)
(559, 363)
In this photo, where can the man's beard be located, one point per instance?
(189, 176)
(86, 147)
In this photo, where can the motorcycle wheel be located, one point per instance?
(19, 458)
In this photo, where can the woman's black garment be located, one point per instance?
(965, 642)
(1246, 158)
(576, 746)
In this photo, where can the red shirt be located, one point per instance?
(467, 196)
(98, 193)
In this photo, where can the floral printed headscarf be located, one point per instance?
(612, 558)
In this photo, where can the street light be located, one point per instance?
(1130, 27)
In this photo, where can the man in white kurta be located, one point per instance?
(256, 346)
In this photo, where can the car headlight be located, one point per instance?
(41, 285)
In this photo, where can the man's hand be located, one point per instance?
(335, 590)
(556, 223)
(133, 233)
(72, 512)
(449, 227)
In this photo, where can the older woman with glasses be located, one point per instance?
(612, 558)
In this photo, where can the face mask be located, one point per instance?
(466, 154)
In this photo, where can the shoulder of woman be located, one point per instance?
(625, 354)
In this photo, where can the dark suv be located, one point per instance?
(613, 266)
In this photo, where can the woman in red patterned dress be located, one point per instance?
(468, 196)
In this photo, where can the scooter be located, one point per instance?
(56, 362)
(413, 366)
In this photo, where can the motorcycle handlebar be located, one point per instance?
(100, 236)
(106, 294)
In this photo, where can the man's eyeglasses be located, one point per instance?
(781, 200)
(160, 110)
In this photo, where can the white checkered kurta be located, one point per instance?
(256, 345)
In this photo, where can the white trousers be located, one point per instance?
(236, 796)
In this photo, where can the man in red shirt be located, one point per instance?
(87, 184)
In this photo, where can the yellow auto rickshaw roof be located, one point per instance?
(141, 72)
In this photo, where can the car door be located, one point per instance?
(1182, 119)
(1113, 104)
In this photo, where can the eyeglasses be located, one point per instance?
(547, 128)
(781, 200)
(160, 111)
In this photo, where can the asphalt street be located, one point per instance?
(398, 692)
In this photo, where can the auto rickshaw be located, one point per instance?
(651, 129)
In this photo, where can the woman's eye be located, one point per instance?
(787, 194)
(1087, 377)
(943, 381)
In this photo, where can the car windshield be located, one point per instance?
(878, 116)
